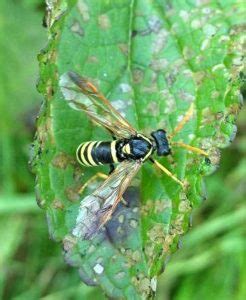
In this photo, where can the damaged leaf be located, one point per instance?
(152, 59)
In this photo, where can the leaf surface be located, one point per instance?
(152, 59)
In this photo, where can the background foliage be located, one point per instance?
(31, 265)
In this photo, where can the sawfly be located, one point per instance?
(129, 149)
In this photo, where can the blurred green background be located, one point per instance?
(211, 263)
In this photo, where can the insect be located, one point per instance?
(129, 149)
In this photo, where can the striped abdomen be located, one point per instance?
(98, 153)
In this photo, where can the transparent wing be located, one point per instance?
(83, 95)
(96, 209)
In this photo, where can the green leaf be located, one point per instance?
(152, 59)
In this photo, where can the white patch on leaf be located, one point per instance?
(184, 15)
(153, 284)
(125, 88)
(98, 269)
(84, 10)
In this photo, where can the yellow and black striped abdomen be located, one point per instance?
(97, 153)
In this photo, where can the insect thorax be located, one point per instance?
(137, 147)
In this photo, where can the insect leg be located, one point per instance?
(113, 136)
(111, 168)
(93, 178)
(165, 170)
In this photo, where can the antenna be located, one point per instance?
(180, 125)
(185, 119)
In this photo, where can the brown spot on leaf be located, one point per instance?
(120, 275)
(142, 284)
(152, 109)
(104, 22)
(77, 174)
(184, 204)
(121, 218)
(123, 48)
(69, 242)
(76, 28)
(57, 204)
(138, 75)
(93, 59)
(40, 201)
(133, 257)
(161, 205)
(214, 156)
(159, 64)
(133, 223)
(150, 250)
(72, 193)
(84, 10)
(157, 234)
(61, 161)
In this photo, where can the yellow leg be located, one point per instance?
(165, 170)
(190, 148)
(93, 178)
(185, 119)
